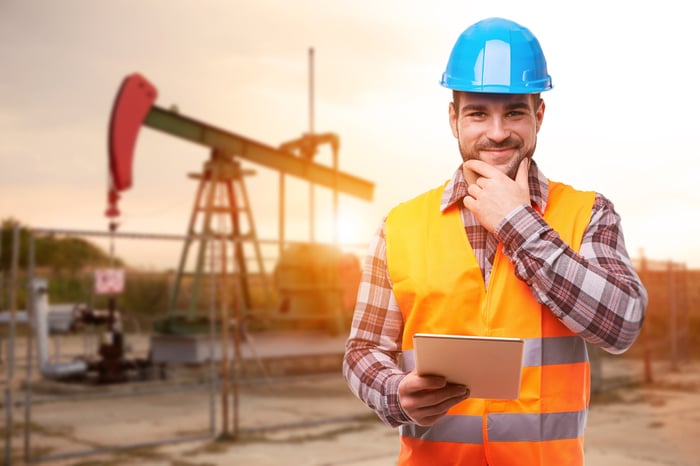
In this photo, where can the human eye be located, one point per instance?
(476, 115)
(516, 113)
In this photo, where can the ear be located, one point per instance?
(539, 114)
(453, 120)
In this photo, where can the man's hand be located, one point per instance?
(495, 195)
(428, 398)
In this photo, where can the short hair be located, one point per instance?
(455, 97)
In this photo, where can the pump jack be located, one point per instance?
(221, 189)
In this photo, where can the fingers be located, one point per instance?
(469, 174)
(495, 195)
(473, 169)
(415, 383)
(522, 174)
(427, 398)
(439, 398)
(431, 406)
(475, 189)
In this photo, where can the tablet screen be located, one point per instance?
(490, 366)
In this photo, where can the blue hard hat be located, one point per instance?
(497, 55)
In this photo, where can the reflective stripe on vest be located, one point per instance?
(536, 427)
(439, 288)
(456, 429)
(501, 428)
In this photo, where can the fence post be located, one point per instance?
(648, 376)
(9, 402)
(673, 332)
(684, 338)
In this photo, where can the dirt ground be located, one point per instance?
(309, 420)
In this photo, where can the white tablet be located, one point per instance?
(490, 366)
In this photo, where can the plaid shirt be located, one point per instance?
(595, 293)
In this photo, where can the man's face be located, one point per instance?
(499, 129)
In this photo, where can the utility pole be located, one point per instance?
(312, 201)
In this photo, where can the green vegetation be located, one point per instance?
(68, 263)
(57, 254)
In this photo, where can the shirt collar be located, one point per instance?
(456, 189)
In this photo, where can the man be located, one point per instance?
(498, 250)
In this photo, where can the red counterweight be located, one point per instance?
(131, 106)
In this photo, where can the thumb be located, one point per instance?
(522, 174)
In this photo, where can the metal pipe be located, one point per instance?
(237, 303)
(30, 355)
(335, 196)
(40, 307)
(281, 203)
(11, 345)
(225, 380)
(136, 235)
(212, 343)
(97, 233)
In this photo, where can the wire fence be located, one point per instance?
(669, 339)
(670, 334)
(190, 384)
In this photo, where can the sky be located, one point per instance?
(619, 120)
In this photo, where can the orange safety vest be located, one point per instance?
(439, 287)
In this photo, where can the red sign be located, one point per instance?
(109, 281)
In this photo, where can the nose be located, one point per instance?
(497, 130)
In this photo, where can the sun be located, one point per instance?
(346, 229)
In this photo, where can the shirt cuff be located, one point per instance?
(395, 415)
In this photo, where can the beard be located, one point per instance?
(512, 169)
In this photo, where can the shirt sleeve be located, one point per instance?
(596, 292)
(370, 363)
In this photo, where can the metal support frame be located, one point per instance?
(255, 152)
(222, 195)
